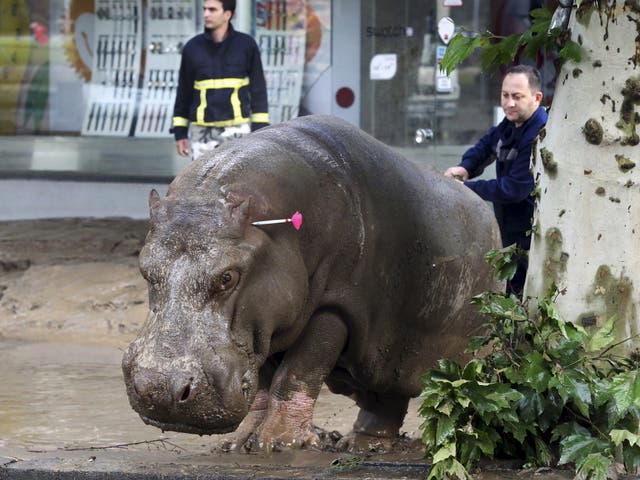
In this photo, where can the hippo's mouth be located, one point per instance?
(187, 428)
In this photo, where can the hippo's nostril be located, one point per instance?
(186, 391)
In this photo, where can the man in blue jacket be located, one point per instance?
(509, 145)
(222, 91)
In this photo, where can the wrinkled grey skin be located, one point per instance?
(247, 322)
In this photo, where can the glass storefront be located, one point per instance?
(453, 108)
(108, 68)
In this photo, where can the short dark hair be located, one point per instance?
(532, 73)
(229, 5)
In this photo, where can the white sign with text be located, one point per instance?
(383, 66)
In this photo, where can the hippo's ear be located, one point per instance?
(240, 213)
(154, 203)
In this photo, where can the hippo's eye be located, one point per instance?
(149, 276)
(229, 279)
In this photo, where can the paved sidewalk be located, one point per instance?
(171, 464)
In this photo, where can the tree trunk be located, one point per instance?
(586, 234)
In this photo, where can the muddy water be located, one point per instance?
(56, 397)
(59, 396)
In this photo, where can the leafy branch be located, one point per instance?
(497, 50)
(537, 388)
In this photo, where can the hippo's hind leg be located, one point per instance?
(378, 422)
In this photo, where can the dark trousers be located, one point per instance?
(514, 221)
(516, 284)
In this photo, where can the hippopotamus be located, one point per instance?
(248, 321)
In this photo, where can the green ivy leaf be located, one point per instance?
(447, 369)
(536, 373)
(519, 429)
(446, 407)
(593, 467)
(429, 433)
(562, 385)
(448, 450)
(603, 336)
(552, 409)
(636, 391)
(569, 429)
(550, 310)
(623, 389)
(619, 436)
(632, 458)
(450, 469)
(473, 370)
(543, 452)
(486, 442)
(478, 343)
(459, 49)
(580, 394)
(575, 332)
(530, 406)
(445, 430)
(494, 399)
(576, 448)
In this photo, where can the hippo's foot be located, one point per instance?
(378, 424)
(245, 431)
(250, 423)
(286, 424)
(355, 442)
(299, 438)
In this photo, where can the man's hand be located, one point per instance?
(457, 173)
(182, 146)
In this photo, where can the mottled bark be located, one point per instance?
(586, 235)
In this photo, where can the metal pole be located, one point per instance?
(243, 18)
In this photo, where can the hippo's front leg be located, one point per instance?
(296, 384)
(254, 418)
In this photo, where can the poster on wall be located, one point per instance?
(114, 67)
(169, 24)
(280, 31)
(117, 36)
(24, 68)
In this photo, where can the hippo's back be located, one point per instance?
(418, 241)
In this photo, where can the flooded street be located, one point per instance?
(64, 406)
(61, 396)
(71, 300)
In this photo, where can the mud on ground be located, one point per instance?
(72, 280)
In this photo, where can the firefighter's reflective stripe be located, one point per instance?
(217, 83)
(260, 117)
(180, 122)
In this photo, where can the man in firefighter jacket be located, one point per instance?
(222, 91)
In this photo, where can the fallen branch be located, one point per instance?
(162, 441)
